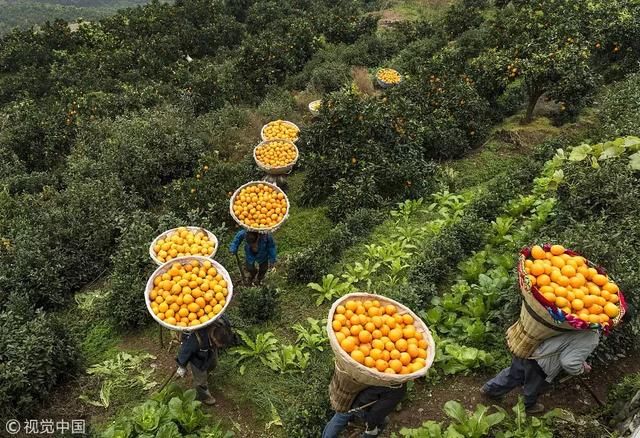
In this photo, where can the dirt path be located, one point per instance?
(428, 401)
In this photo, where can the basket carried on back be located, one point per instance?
(262, 230)
(172, 231)
(368, 376)
(343, 390)
(541, 319)
(183, 261)
(275, 170)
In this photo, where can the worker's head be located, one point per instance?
(251, 237)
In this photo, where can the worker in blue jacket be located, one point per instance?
(259, 249)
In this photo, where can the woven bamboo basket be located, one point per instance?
(170, 232)
(259, 230)
(367, 376)
(264, 138)
(540, 319)
(312, 107)
(343, 390)
(182, 260)
(383, 84)
(273, 170)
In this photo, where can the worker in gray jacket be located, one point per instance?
(567, 352)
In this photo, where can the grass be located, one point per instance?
(420, 9)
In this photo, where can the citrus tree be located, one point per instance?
(549, 45)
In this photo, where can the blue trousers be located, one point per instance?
(336, 425)
(522, 372)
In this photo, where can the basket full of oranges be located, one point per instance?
(188, 293)
(280, 130)
(259, 206)
(388, 77)
(276, 157)
(378, 341)
(562, 292)
(183, 242)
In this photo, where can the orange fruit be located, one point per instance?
(543, 280)
(349, 344)
(550, 296)
(600, 301)
(395, 334)
(389, 346)
(599, 279)
(369, 362)
(402, 345)
(538, 253)
(595, 309)
(557, 250)
(395, 365)
(561, 291)
(537, 269)
(604, 319)
(365, 337)
(390, 309)
(614, 298)
(558, 262)
(358, 356)
(568, 271)
(405, 358)
(577, 304)
(577, 281)
(340, 337)
(563, 281)
(409, 331)
(610, 287)
(381, 365)
(594, 319)
(407, 319)
(375, 354)
(412, 350)
(561, 302)
(611, 310)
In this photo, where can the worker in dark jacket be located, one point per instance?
(259, 249)
(372, 405)
(200, 349)
(567, 352)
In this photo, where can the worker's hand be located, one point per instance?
(586, 367)
(181, 372)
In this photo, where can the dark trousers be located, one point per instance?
(257, 275)
(522, 372)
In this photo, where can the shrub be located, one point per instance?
(36, 352)
(59, 240)
(144, 151)
(441, 255)
(329, 77)
(314, 262)
(132, 266)
(258, 304)
(618, 109)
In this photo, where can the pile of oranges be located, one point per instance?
(276, 153)
(574, 287)
(379, 337)
(260, 206)
(183, 242)
(281, 130)
(188, 294)
(388, 76)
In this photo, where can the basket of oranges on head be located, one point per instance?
(259, 206)
(276, 157)
(388, 77)
(377, 342)
(562, 292)
(280, 130)
(188, 293)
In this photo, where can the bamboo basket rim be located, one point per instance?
(420, 325)
(165, 267)
(211, 236)
(259, 230)
(279, 169)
